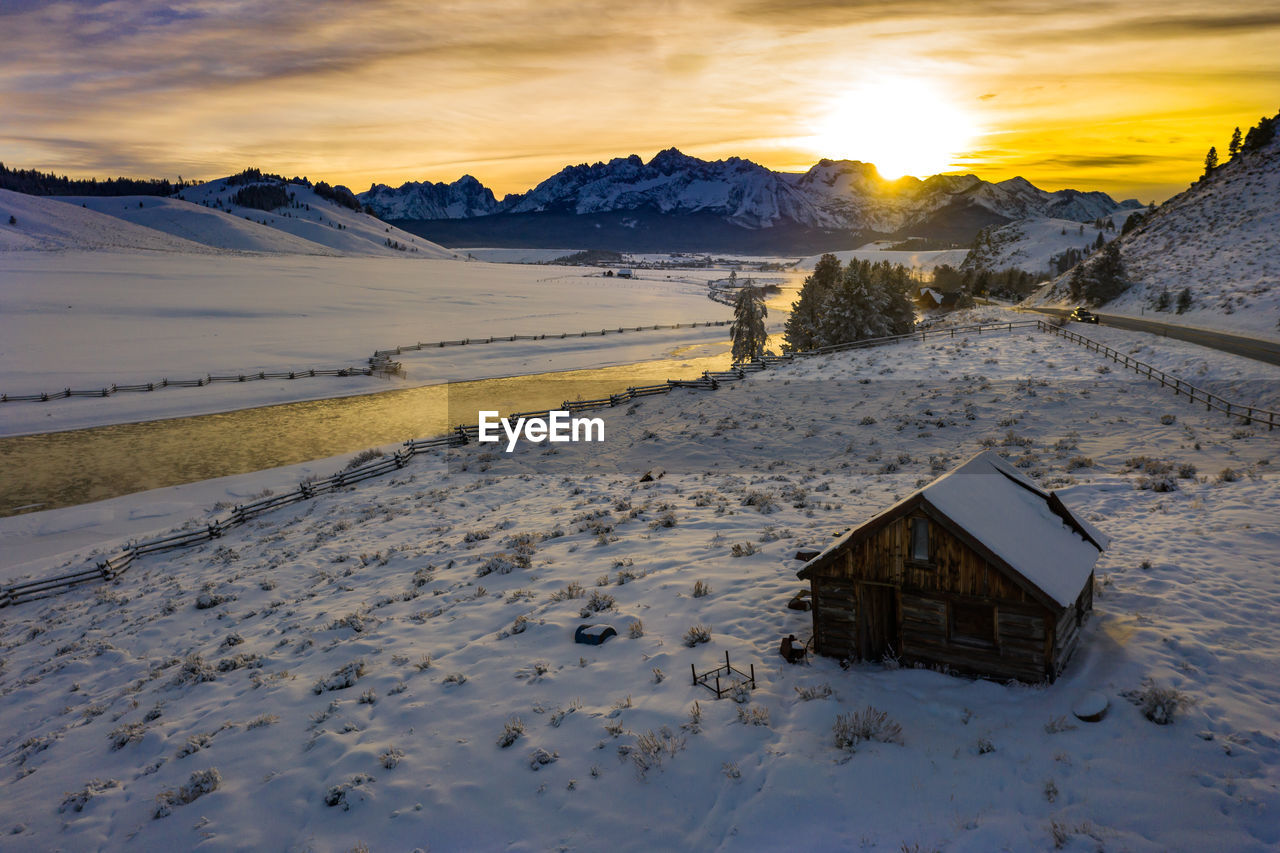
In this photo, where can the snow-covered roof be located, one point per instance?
(1029, 529)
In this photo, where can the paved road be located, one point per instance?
(1268, 351)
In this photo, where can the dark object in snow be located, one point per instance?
(981, 571)
(593, 635)
(736, 682)
(791, 650)
(802, 600)
(649, 476)
(807, 554)
(1091, 707)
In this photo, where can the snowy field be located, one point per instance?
(923, 261)
(358, 662)
(85, 320)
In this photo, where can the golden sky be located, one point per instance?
(1122, 97)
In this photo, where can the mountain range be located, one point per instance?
(678, 202)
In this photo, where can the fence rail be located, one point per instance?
(592, 333)
(379, 364)
(467, 434)
(1212, 401)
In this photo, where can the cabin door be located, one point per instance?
(877, 621)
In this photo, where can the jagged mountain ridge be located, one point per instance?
(837, 196)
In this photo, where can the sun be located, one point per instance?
(904, 126)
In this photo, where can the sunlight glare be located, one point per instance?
(903, 126)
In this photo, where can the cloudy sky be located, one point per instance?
(1123, 97)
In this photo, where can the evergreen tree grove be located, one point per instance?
(864, 301)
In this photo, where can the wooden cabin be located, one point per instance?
(981, 571)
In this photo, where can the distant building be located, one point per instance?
(981, 571)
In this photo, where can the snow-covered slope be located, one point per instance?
(1033, 245)
(1219, 241)
(44, 223)
(319, 220)
(200, 224)
(394, 667)
(833, 195)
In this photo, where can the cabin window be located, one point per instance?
(919, 549)
(972, 624)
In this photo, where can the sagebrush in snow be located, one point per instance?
(869, 724)
(1158, 704)
(808, 693)
(697, 634)
(77, 800)
(342, 678)
(511, 731)
(339, 795)
(541, 757)
(201, 782)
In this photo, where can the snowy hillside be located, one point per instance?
(307, 215)
(46, 224)
(393, 667)
(1033, 245)
(833, 195)
(215, 228)
(1219, 241)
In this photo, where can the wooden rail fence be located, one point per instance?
(379, 365)
(109, 569)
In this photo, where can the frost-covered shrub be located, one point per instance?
(756, 716)
(697, 634)
(742, 549)
(1186, 471)
(363, 457)
(77, 800)
(808, 693)
(497, 563)
(511, 731)
(357, 621)
(701, 589)
(636, 630)
(194, 671)
(666, 518)
(1167, 420)
(763, 502)
(262, 720)
(369, 697)
(1077, 462)
(539, 758)
(240, 661)
(983, 746)
(454, 679)
(1228, 475)
(869, 724)
(201, 782)
(597, 603)
(1158, 704)
(206, 600)
(341, 679)
(573, 590)
(129, 733)
(652, 748)
(338, 795)
(391, 757)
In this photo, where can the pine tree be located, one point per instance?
(1210, 161)
(1234, 148)
(1184, 301)
(1163, 301)
(748, 330)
